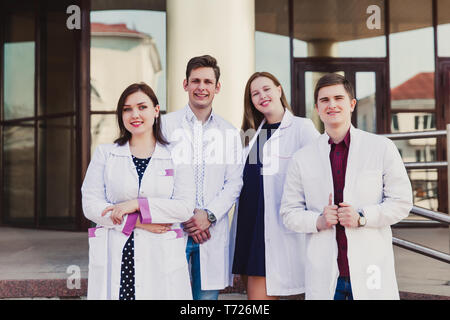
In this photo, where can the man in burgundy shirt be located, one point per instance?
(344, 191)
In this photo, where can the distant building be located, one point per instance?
(119, 57)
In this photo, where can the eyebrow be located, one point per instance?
(336, 96)
(129, 105)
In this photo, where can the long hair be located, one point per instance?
(252, 117)
(125, 135)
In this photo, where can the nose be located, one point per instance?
(135, 113)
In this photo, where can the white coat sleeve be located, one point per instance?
(176, 209)
(224, 200)
(293, 211)
(397, 192)
(93, 192)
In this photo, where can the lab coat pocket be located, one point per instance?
(165, 181)
(98, 263)
(174, 254)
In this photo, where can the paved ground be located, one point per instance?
(38, 254)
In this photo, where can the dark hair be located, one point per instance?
(331, 79)
(203, 61)
(252, 117)
(125, 135)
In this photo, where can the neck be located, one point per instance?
(275, 117)
(337, 133)
(202, 114)
(142, 145)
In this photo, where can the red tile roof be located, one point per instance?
(421, 86)
(112, 28)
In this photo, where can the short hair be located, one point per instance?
(203, 61)
(125, 135)
(331, 79)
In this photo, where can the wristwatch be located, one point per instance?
(211, 217)
(362, 220)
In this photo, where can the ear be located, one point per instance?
(218, 86)
(157, 107)
(279, 90)
(185, 84)
(352, 105)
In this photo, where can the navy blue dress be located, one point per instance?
(127, 287)
(249, 253)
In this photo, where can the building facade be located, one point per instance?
(64, 64)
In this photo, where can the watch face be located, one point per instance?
(362, 221)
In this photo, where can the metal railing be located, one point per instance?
(437, 218)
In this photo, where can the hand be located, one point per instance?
(120, 209)
(154, 227)
(202, 236)
(329, 217)
(198, 223)
(347, 215)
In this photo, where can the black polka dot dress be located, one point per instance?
(127, 287)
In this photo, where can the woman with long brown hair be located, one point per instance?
(266, 254)
(138, 198)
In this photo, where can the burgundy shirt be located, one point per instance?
(338, 160)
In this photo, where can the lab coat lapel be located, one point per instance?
(324, 150)
(352, 164)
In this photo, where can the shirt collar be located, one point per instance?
(346, 139)
(190, 116)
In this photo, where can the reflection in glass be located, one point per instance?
(443, 28)
(425, 188)
(343, 28)
(18, 66)
(104, 129)
(18, 172)
(411, 55)
(366, 106)
(56, 167)
(274, 58)
(137, 39)
(59, 72)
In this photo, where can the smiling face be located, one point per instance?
(335, 106)
(266, 96)
(201, 87)
(139, 113)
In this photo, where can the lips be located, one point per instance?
(136, 123)
(265, 103)
(201, 96)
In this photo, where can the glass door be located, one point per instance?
(367, 77)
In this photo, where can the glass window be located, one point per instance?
(345, 28)
(272, 55)
(136, 38)
(366, 110)
(18, 173)
(18, 66)
(104, 129)
(56, 167)
(411, 55)
(424, 183)
(272, 50)
(58, 51)
(443, 28)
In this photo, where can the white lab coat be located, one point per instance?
(375, 182)
(161, 270)
(284, 249)
(221, 187)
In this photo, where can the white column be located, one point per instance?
(222, 29)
